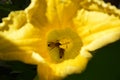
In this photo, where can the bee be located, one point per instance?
(57, 44)
(53, 44)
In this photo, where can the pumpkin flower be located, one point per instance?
(58, 35)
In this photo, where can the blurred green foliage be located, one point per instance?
(105, 64)
(14, 70)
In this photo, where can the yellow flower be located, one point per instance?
(58, 35)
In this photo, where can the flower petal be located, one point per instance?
(41, 11)
(64, 8)
(100, 6)
(96, 28)
(16, 41)
(51, 12)
(11, 51)
(36, 12)
(50, 71)
(15, 21)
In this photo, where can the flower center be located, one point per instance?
(63, 44)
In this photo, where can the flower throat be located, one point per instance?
(63, 44)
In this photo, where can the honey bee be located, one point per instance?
(52, 45)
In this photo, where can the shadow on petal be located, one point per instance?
(10, 52)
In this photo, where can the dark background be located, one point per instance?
(105, 65)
